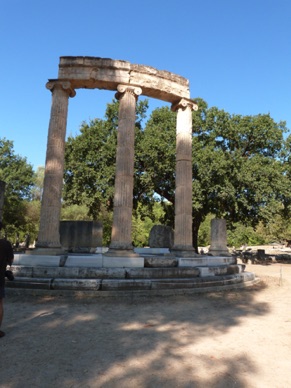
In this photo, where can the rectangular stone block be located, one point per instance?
(123, 262)
(35, 260)
(211, 271)
(76, 284)
(160, 262)
(84, 261)
(152, 251)
(114, 285)
(162, 273)
(102, 273)
(37, 283)
(22, 271)
(162, 285)
(191, 262)
(81, 236)
(46, 272)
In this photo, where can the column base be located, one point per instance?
(180, 251)
(219, 252)
(122, 258)
(112, 252)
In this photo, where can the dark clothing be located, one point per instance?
(2, 292)
(6, 258)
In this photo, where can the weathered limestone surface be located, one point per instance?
(160, 262)
(122, 212)
(183, 192)
(161, 236)
(81, 236)
(49, 236)
(105, 73)
(218, 245)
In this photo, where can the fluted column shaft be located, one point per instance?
(121, 238)
(49, 236)
(183, 193)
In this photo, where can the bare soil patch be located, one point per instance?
(228, 339)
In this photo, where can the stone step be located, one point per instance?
(124, 273)
(128, 284)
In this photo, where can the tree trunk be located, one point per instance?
(195, 229)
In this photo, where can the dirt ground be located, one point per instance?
(234, 339)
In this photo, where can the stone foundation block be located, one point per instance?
(32, 283)
(26, 272)
(160, 262)
(35, 260)
(233, 269)
(152, 251)
(123, 262)
(115, 285)
(76, 284)
(191, 262)
(207, 271)
(84, 261)
(162, 273)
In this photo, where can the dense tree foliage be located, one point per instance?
(19, 178)
(90, 161)
(241, 172)
(241, 166)
(155, 162)
(237, 167)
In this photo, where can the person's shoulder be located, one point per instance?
(5, 243)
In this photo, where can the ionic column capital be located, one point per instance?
(183, 104)
(122, 89)
(64, 85)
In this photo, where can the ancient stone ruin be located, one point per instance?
(129, 81)
(123, 268)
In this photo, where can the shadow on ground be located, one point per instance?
(160, 342)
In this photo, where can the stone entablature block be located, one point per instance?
(104, 73)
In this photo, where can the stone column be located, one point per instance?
(121, 239)
(49, 236)
(2, 192)
(218, 241)
(183, 194)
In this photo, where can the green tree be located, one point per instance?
(241, 166)
(37, 189)
(155, 163)
(143, 221)
(90, 161)
(237, 170)
(19, 178)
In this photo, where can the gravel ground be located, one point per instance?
(232, 339)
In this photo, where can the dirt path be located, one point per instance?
(234, 339)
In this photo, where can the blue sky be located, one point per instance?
(236, 55)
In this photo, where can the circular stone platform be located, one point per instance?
(160, 275)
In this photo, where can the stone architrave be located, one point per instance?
(2, 192)
(121, 239)
(218, 241)
(183, 193)
(49, 236)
